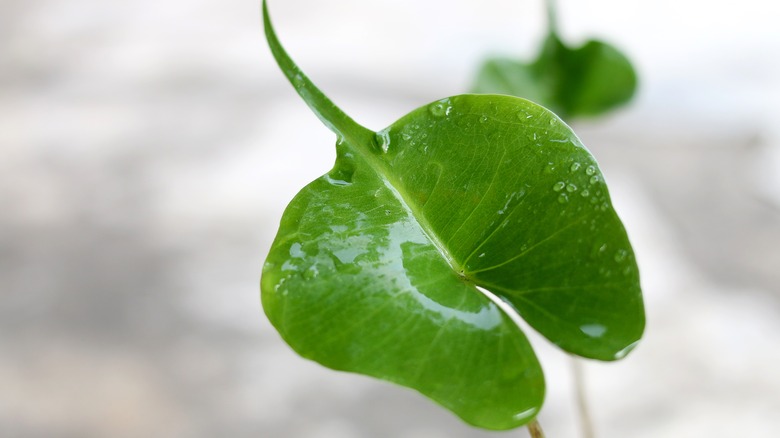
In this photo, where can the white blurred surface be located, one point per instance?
(147, 150)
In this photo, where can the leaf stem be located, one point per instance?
(330, 114)
(552, 16)
(535, 429)
(586, 422)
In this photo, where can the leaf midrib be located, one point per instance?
(381, 169)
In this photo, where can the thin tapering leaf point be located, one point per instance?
(330, 114)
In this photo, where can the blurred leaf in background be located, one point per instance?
(589, 80)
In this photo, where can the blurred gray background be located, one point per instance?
(148, 148)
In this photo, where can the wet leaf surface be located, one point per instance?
(377, 265)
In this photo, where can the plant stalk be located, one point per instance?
(552, 16)
(586, 423)
(535, 429)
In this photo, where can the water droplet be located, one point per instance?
(559, 186)
(575, 166)
(563, 198)
(483, 119)
(438, 109)
(406, 136)
(338, 228)
(550, 168)
(593, 330)
(591, 170)
(383, 140)
(622, 353)
(621, 255)
(296, 251)
(341, 174)
(298, 80)
(594, 179)
(481, 255)
(571, 188)
(585, 193)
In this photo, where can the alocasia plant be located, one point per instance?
(586, 81)
(379, 265)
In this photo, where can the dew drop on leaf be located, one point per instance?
(383, 140)
(438, 109)
(298, 81)
(310, 273)
(593, 330)
(622, 353)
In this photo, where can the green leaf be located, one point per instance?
(572, 82)
(377, 265)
